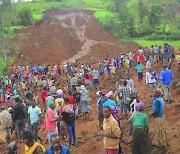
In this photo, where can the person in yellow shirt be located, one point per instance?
(178, 57)
(59, 102)
(32, 147)
(111, 133)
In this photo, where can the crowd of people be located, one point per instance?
(52, 97)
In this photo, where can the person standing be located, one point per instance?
(95, 74)
(146, 53)
(111, 132)
(77, 98)
(101, 100)
(34, 119)
(71, 98)
(6, 123)
(90, 78)
(124, 93)
(140, 51)
(68, 116)
(166, 77)
(151, 81)
(19, 115)
(158, 114)
(141, 143)
(139, 68)
(48, 99)
(50, 121)
(84, 99)
(148, 65)
(43, 96)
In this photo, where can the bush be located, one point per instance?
(163, 36)
(25, 17)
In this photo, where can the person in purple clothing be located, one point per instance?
(166, 77)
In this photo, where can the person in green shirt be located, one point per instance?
(139, 69)
(141, 143)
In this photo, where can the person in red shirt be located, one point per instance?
(90, 78)
(71, 98)
(135, 57)
(9, 90)
(141, 59)
(43, 96)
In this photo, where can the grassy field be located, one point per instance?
(148, 43)
(103, 16)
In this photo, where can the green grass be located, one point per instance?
(40, 6)
(37, 16)
(16, 27)
(148, 43)
(104, 16)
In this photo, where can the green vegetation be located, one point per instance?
(2, 66)
(148, 43)
(105, 18)
(155, 19)
(38, 7)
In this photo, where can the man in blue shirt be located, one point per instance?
(56, 147)
(34, 119)
(166, 77)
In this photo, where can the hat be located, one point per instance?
(109, 94)
(139, 106)
(157, 91)
(82, 87)
(59, 91)
(49, 103)
(59, 95)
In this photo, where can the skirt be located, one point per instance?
(111, 151)
(141, 143)
(84, 106)
(160, 132)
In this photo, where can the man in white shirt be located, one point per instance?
(140, 51)
(151, 81)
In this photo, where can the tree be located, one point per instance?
(169, 15)
(131, 28)
(25, 16)
(142, 10)
(115, 5)
(155, 15)
(126, 22)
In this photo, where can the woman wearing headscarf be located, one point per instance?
(158, 114)
(84, 99)
(141, 143)
(51, 118)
